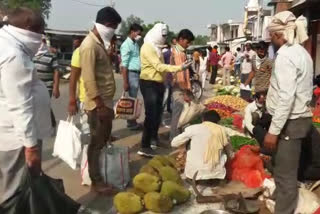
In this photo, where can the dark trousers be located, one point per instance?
(53, 118)
(100, 133)
(287, 158)
(152, 93)
(177, 109)
(214, 73)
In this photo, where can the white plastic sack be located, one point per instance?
(85, 178)
(115, 160)
(67, 145)
(128, 108)
(190, 111)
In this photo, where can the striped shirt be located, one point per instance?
(46, 65)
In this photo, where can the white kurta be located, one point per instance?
(199, 136)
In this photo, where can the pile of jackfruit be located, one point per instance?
(158, 188)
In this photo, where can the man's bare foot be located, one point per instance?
(105, 189)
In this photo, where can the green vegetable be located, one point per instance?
(317, 125)
(238, 141)
(227, 122)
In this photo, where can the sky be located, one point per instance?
(178, 14)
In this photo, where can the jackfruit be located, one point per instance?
(168, 173)
(176, 192)
(137, 192)
(158, 203)
(150, 170)
(127, 203)
(163, 160)
(156, 164)
(172, 161)
(146, 182)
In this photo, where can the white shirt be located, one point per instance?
(247, 121)
(291, 85)
(246, 66)
(203, 63)
(24, 99)
(199, 135)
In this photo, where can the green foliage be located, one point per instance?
(201, 40)
(42, 5)
(238, 141)
(125, 25)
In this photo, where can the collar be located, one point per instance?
(95, 38)
(180, 48)
(131, 40)
(283, 49)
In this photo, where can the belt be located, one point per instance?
(135, 71)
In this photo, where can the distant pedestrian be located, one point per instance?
(24, 100)
(151, 84)
(130, 55)
(97, 73)
(247, 59)
(214, 63)
(203, 68)
(237, 64)
(227, 62)
(47, 66)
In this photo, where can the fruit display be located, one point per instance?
(216, 105)
(181, 160)
(234, 102)
(227, 90)
(239, 141)
(157, 188)
(226, 122)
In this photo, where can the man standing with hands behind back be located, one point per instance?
(288, 102)
(99, 83)
(130, 55)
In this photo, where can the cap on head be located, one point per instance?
(108, 15)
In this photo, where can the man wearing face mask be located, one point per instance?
(24, 99)
(99, 83)
(130, 55)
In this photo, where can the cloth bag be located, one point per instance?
(128, 108)
(67, 145)
(190, 111)
(114, 166)
(39, 195)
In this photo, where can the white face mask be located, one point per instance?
(259, 105)
(30, 40)
(138, 38)
(106, 34)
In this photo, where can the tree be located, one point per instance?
(125, 25)
(42, 5)
(201, 40)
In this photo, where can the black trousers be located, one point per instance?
(152, 93)
(214, 73)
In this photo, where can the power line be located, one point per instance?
(86, 3)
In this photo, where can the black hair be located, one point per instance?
(186, 34)
(211, 116)
(108, 14)
(262, 45)
(260, 93)
(227, 49)
(215, 47)
(210, 48)
(135, 27)
(22, 17)
(238, 49)
(203, 53)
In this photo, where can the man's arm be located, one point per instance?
(125, 56)
(56, 78)
(252, 74)
(248, 119)
(74, 78)
(182, 138)
(286, 76)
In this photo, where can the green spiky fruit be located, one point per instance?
(127, 203)
(176, 192)
(168, 173)
(137, 192)
(164, 161)
(150, 170)
(158, 203)
(146, 182)
(156, 164)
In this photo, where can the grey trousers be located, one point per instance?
(12, 165)
(287, 159)
(177, 108)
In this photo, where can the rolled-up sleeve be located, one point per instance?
(125, 55)
(16, 81)
(88, 64)
(286, 77)
(182, 138)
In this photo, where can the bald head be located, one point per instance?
(27, 19)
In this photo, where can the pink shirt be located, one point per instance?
(227, 59)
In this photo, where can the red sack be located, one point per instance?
(237, 121)
(247, 167)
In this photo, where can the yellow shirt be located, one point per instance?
(75, 62)
(152, 66)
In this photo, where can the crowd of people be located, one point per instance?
(29, 70)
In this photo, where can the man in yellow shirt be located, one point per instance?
(152, 86)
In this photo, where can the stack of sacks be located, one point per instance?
(157, 188)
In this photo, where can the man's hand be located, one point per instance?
(72, 108)
(56, 92)
(126, 86)
(33, 159)
(270, 141)
(105, 113)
